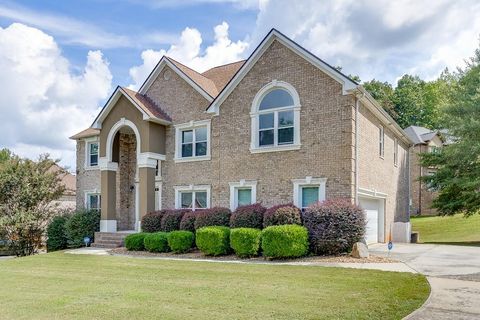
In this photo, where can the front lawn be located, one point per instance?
(456, 229)
(64, 286)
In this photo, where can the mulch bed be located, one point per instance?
(197, 254)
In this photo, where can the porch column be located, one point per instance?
(147, 163)
(108, 222)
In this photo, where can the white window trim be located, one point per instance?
(381, 142)
(87, 195)
(308, 182)
(242, 184)
(178, 140)
(191, 188)
(89, 141)
(255, 114)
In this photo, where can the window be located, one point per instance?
(395, 152)
(381, 140)
(308, 191)
(192, 197)
(158, 196)
(193, 141)
(275, 119)
(242, 193)
(93, 201)
(92, 154)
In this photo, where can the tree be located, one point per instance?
(5, 154)
(27, 189)
(458, 164)
(384, 93)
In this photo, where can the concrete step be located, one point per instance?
(105, 245)
(110, 239)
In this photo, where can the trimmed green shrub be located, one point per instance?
(245, 241)
(171, 219)
(250, 216)
(56, 234)
(156, 242)
(152, 222)
(217, 216)
(80, 225)
(134, 241)
(188, 221)
(282, 214)
(286, 241)
(334, 226)
(181, 241)
(213, 241)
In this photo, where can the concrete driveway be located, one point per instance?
(453, 273)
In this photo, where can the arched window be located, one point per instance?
(275, 118)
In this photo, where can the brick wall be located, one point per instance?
(87, 179)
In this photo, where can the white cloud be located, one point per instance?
(188, 51)
(240, 4)
(43, 102)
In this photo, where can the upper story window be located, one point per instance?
(275, 118)
(192, 141)
(381, 141)
(91, 154)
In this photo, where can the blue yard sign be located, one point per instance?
(390, 245)
(86, 240)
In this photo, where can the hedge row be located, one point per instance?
(176, 241)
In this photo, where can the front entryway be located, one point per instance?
(375, 216)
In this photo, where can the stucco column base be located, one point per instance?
(108, 225)
(146, 190)
(108, 186)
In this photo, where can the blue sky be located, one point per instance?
(61, 60)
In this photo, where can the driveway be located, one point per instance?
(453, 273)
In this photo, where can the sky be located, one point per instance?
(61, 60)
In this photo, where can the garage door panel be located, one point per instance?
(371, 233)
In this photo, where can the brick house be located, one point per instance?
(424, 140)
(282, 126)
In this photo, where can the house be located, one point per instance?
(282, 126)
(424, 140)
(68, 199)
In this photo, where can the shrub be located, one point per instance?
(188, 221)
(152, 222)
(286, 241)
(245, 241)
(56, 234)
(171, 219)
(334, 226)
(212, 217)
(282, 214)
(80, 225)
(156, 242)
(213, 241)
(181, 241)
(250, 216)
(134, 241)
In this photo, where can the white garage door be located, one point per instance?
(375, 219)
(371, 234)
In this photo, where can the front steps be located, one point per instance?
(110, 239)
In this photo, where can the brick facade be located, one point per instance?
(125, 185)
(88, 179)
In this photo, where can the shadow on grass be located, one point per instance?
(460, 243)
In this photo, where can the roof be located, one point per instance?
(67, 179)
(420, 135)
(205, 83)
(87, 133)
(221, 75)
(147, 104)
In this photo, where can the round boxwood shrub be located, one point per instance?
(171, 219)
(188, 221)
(245, 241)
(217, 216)
(334, 226)
(156, 242)
(285, 241)
(250, 216)
(180, 241)
(134, 241)
(213, 241)
(152, 222)
(56, 234)
(80, 225)
(282, 214)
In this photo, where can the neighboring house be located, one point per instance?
(424, 140)
(68, 199)
(282, 126)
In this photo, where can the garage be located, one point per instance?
(375, 216)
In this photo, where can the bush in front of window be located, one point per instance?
(217, 216)
(180, 241)
(334, 226)
(134, 241)
(282, 214)
(249, 216)
(82, 224)
(156, 242)
(171, 219)
(56, 234)
(285, 241)
(188, 221)
(245, 241)
(213, 241)
(152, 222)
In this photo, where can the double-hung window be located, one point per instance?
(92, 154)
(192, 141)
(395, 152)
(381, 141)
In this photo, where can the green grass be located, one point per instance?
(63, 286)
(456, 229)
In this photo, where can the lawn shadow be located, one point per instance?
(460, 243)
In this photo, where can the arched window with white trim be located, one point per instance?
(275, 117)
